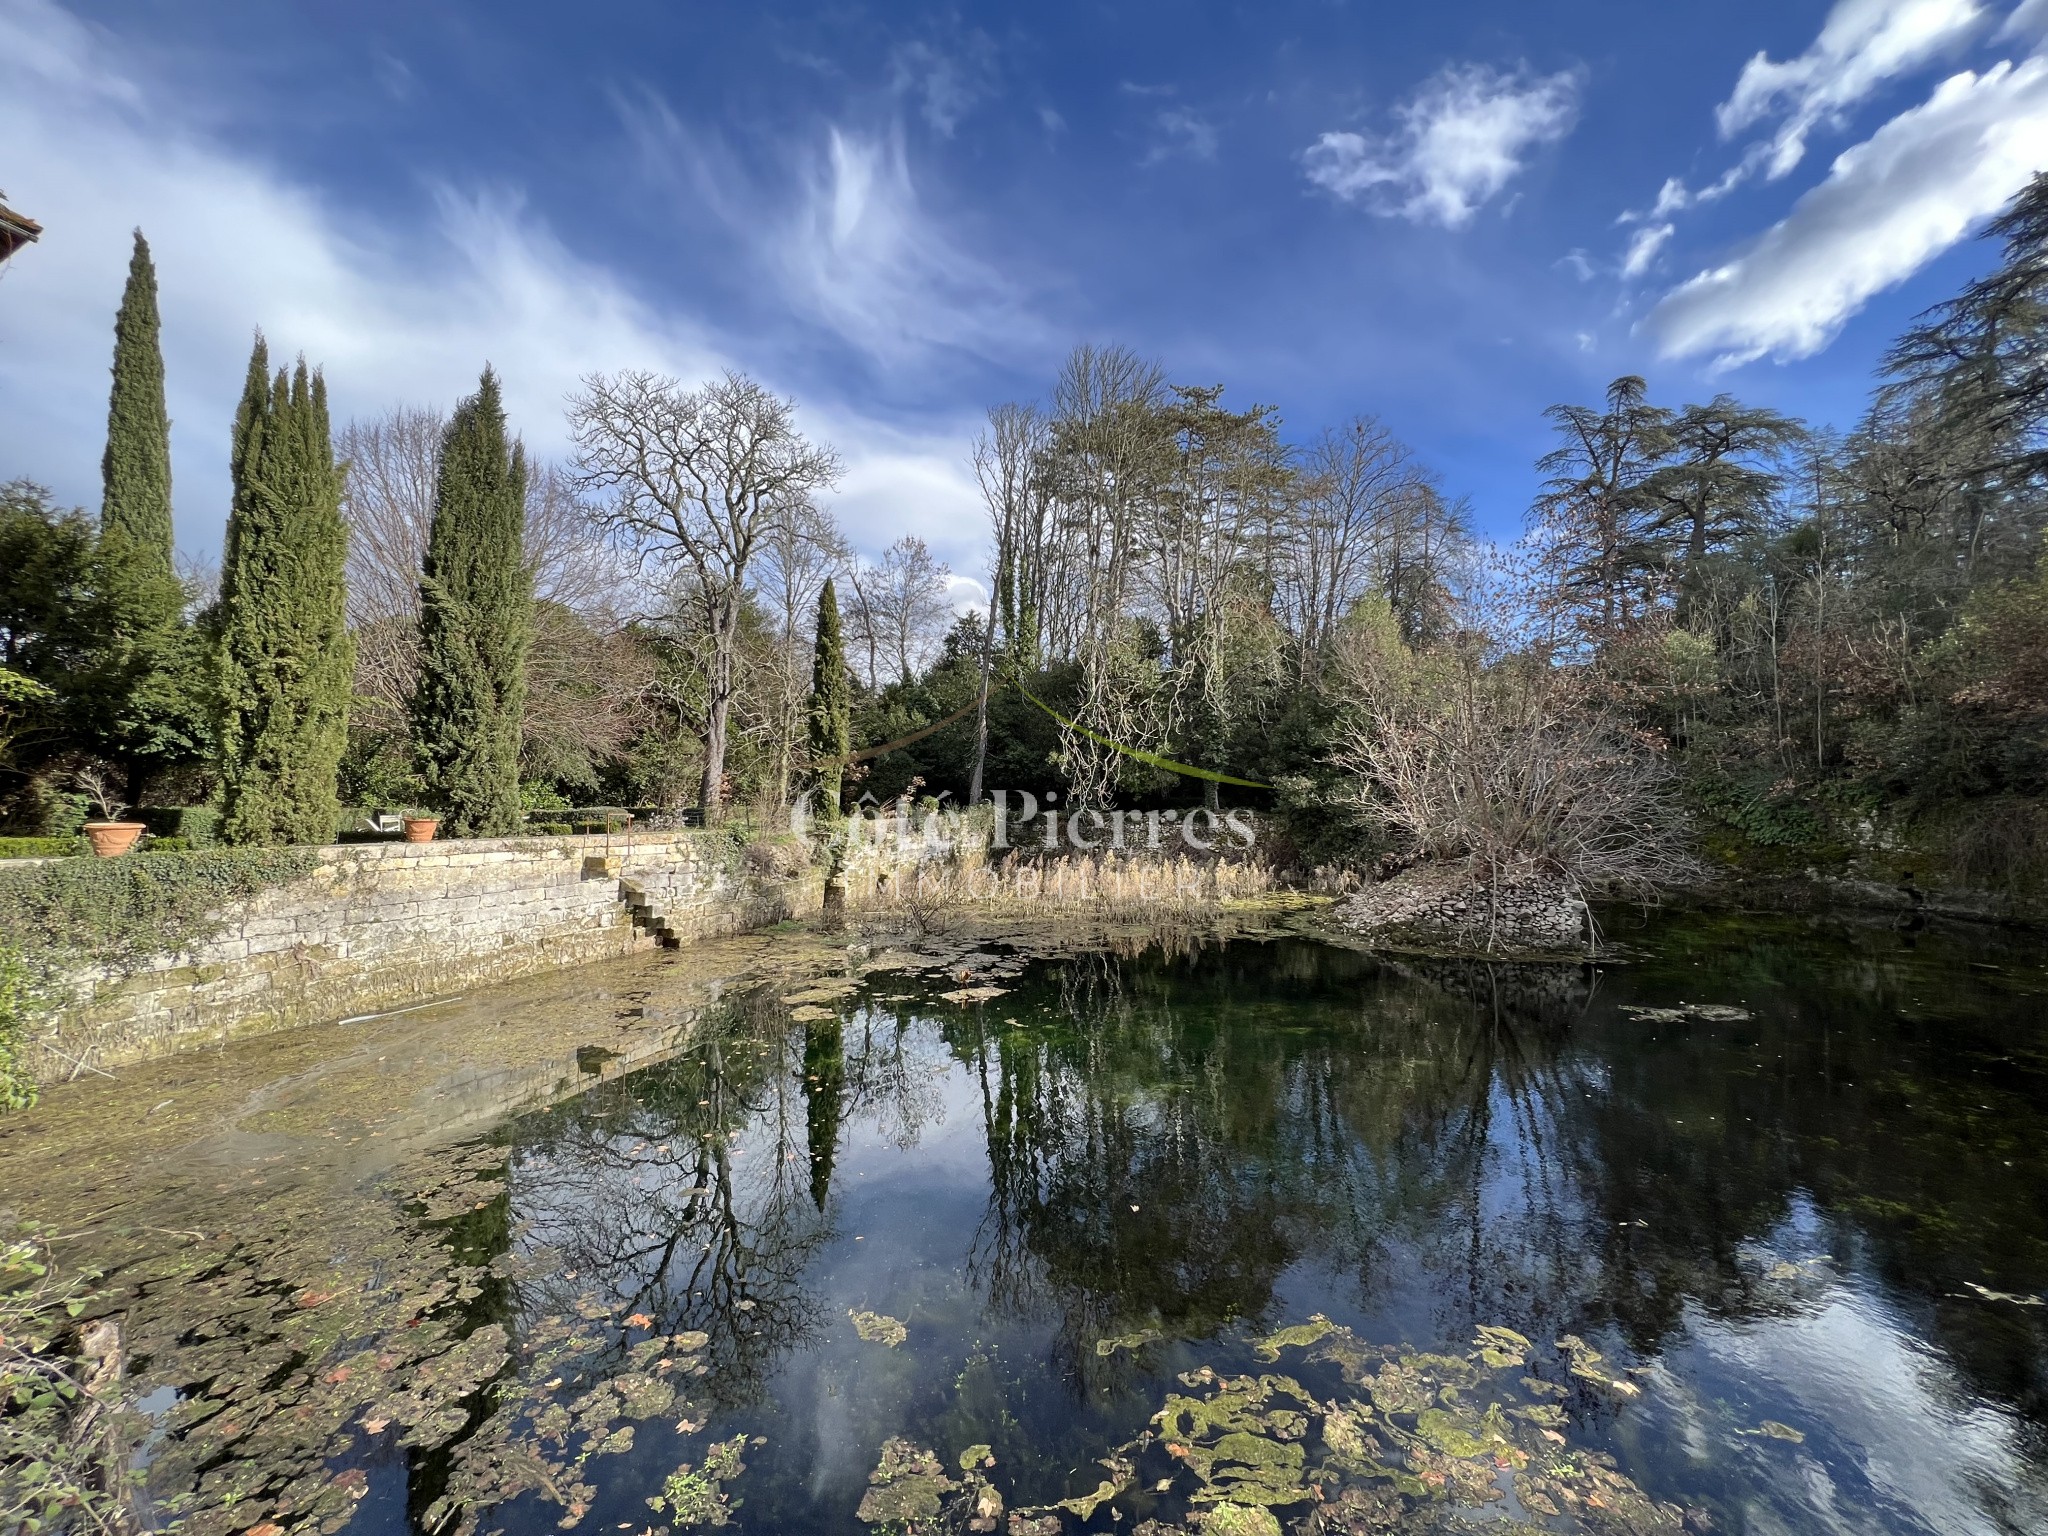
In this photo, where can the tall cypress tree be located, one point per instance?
(286, 657)
(135, 471)
(150, 699)
(476, 623)
(831, 723)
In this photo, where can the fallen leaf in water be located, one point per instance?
(639, 1320)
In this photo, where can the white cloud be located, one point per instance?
(1181, 132)
(878, 270)
(1462, 137)
(1887, 207)
(97, 145)
(948, 82)
(1643, 249)
(1575, 262)
(1671, 198)
(2028, 21)
(1862, 45)
(847, 236)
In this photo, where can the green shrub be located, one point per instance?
(39, 847)
(1762, 812)
(197, 825)
(168, 845)
(539, 795)
(554, 829)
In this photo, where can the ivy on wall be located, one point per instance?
(59, 916)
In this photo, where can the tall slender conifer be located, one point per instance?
(476, 623)
(831, 722)
(135, 471)
(286, 656)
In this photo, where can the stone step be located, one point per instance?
(646, 913)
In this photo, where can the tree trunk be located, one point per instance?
(711, 794)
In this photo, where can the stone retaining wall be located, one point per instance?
(377, 926)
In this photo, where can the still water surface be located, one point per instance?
(1809, 1235)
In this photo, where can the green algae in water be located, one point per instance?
(878, 1327)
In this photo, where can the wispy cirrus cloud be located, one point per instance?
(399, 312)
(1460, 139)
(1181, 131)
(946, 78)
(1644, 247)
(1887, 207)
(839, 224)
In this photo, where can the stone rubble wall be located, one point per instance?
(378, 926)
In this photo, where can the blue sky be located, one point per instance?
(902, 213)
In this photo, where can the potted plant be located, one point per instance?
(417, 825)
(109, 835)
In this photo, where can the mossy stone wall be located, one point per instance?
(378, 926)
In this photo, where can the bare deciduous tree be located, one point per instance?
(573, 713)
(1007, 460)
(698, 481)
(1507, 768)
(796, 560)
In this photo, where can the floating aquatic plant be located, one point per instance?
(878, 1327)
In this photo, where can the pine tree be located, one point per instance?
(286, 656)
(831, 725)
(136, 468)
(476, 623)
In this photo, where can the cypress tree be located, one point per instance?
(151, 694)
(831, 723)
(476, 623)
(286, 657)
(135, 471)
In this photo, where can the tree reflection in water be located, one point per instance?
(1189, 1147)
(1169, 1156)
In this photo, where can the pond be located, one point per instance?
(1747, 1235)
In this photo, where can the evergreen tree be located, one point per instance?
(476, 623)
(824, 1101)
(136, 468)
(831, 724)
(286, 656)
(151, 693)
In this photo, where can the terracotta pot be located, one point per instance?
(420, 829)
(111, 839)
